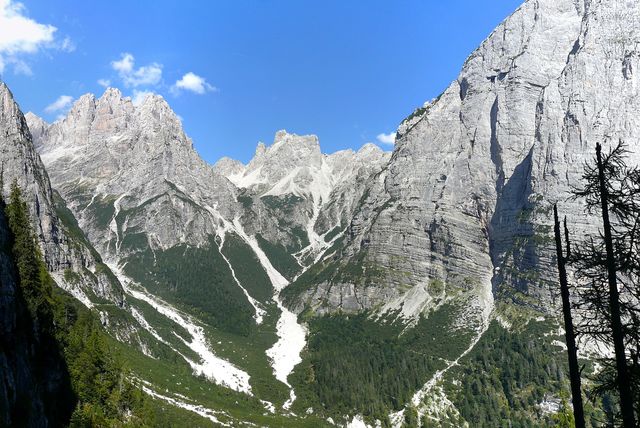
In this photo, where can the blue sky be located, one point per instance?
(238, 71)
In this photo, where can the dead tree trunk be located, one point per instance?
(572, 351)
(624, 387)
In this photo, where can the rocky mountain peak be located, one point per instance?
(370, 151)
(11, 119)
(226, 166)
(287, 153)
(20, 163)
(85, 103)
(37, 126)
(293, 142)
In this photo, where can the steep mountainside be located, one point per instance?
(70, 258)
(466, 197)
(311, 195)
(201, 259)
(458, 222)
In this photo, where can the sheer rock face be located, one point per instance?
(20, 162)
(127, 170)
(466, 197)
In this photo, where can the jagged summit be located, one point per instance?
(294, 162)
(10, 115)
(20, 162)
(227, 166)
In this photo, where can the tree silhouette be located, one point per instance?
(608, 266)
(574, 369)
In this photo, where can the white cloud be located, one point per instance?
(139, 96)
(67, 45)
(20, 35)
(387, 138)
(104, 82)
(21, 67)
(124, 65)
(62, 104)
(194, 83)
(150, 74)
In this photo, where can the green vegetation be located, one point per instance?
(175, 379)
(284, 208)
(71, 226)
(333, 233)
(196, 278)
(72, 343)
(245, 200)
(357, 365)
(508, 374)
(103, 211)
(247, 268)
(279, 257)
(357, 270)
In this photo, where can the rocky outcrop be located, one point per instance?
(63, 252)
(465, 200)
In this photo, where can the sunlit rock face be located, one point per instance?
(136, 184)
(465, 201)
(62, 251)
(108, 157)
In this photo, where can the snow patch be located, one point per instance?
(144, 324)
(214, 368)
(357, 422)
(284, 355)
(200, 410)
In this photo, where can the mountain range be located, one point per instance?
(353, 288)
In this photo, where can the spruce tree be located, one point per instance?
(35, 282)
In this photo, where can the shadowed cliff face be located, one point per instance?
(466, 196)
(35, 387)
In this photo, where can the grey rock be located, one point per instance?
(20, 163)
(467, 194)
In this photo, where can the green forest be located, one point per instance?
(69, 342)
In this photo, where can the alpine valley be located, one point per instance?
(359, 288)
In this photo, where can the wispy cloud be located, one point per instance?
(104, 82)
(139, 96)
(60, 105)
(193, 83)
(21, 35)
(147, 75)
(387, 138)
(67, 45)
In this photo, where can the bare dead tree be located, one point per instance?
(572, 351)
(609, 265)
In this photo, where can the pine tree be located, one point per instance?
(35, 282)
